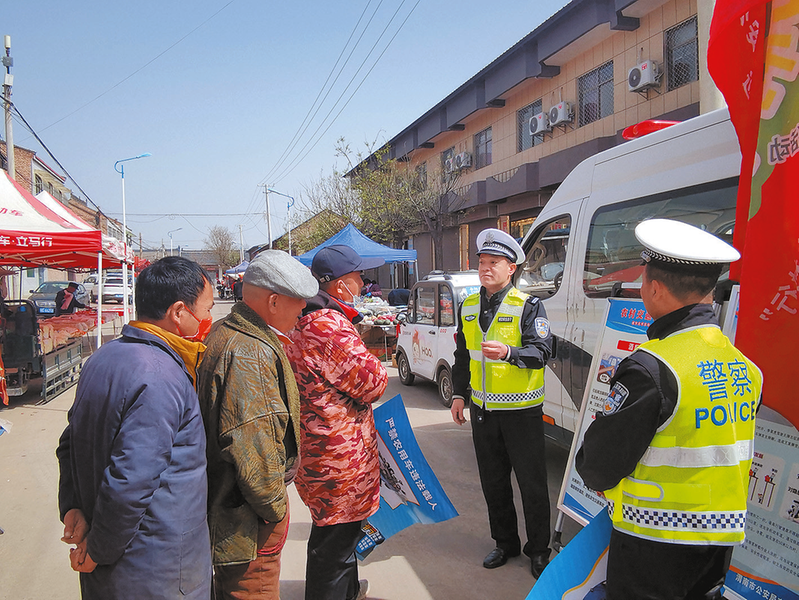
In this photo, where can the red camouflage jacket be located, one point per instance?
(338, 380)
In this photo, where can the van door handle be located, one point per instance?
(433, 332)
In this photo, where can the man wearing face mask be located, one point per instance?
(251, 409)
(339, 379)
(133, 486)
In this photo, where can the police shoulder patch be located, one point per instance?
(618, 394)
(542, 327)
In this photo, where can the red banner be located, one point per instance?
(753, 58)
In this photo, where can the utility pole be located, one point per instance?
(8, 81)
(241, 245)
(268, 216)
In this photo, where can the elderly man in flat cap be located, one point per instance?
(251, 408)
(502, 346)
(672, 448)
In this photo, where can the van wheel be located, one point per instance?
(445, 386)
(405, 375)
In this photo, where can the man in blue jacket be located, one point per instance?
(133, 486)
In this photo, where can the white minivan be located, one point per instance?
(426, 341)
(582, 248)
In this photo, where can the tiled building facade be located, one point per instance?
(582, 56)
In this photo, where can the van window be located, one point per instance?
(542, 273)
(446, 309)
(614, 255)
(424, 305)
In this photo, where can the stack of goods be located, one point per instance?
(58, 331)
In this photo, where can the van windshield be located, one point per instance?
(613, 253)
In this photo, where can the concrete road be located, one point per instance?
(441, 562)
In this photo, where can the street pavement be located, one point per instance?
(441, 561)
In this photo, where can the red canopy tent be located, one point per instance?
(42, 232)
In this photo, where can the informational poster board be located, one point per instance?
(409, 490)
(625, 325)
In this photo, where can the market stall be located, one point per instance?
(40, 231)
(379, 327)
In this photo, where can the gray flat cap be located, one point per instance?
(278, 272)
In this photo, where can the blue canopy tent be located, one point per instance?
(350, 236)
(239, 268)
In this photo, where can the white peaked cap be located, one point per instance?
(499, 243)
(679, 243)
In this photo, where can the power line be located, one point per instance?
(301, 130)
(298, 161)
(144, 66)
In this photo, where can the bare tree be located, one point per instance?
(220, 243)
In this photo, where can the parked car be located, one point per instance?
(43, 297)
(113, 289)
(90, 283)
(426, 342)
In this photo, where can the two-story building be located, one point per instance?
(561, 94)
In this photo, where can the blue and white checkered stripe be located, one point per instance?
(515, 399)
(675, 520)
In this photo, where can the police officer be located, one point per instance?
(672, 448)
(503, 344)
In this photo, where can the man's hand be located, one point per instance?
(75, 527)
(494, 350)
(457, 410)
(80, 560)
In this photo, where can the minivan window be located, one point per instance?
(424, 305)
(542, 273)
(446, 309)
(613, 253)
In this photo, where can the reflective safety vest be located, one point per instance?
(497, 384)
(691, 484)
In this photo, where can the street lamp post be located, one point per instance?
(169, 233)
(120, 168)
(288, 217)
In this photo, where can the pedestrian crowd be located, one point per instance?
(184, 435)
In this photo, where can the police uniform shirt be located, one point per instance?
(645, 396)
(533, 354)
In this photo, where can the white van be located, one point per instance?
(426, 341)
(582, 247)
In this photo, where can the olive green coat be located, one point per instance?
(250, 406)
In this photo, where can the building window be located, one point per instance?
(519, 229)
(421, 175)
(523, 117)
(595, 90)
(682, 54)
(447, 167)
(39, 185)
(482, 149)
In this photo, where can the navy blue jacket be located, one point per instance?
(132, 458)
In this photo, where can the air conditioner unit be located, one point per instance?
(539, 124)
(463, 160)
(449, 165)
(561, 113)
(643, 76)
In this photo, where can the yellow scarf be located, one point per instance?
(191, 352)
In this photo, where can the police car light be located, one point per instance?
(645, 127)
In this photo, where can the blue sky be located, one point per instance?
(217, 92)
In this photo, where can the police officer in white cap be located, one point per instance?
(503, 344)
(671, 451)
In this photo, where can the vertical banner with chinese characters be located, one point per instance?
(753, 56)
(409, 490)
(625, 325)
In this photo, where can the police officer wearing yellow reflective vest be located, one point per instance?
(503, 344)
(672, 448)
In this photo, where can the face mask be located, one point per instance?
(354, 299)
(202, 331)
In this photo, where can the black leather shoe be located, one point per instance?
(538, 563)
(496, 558)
